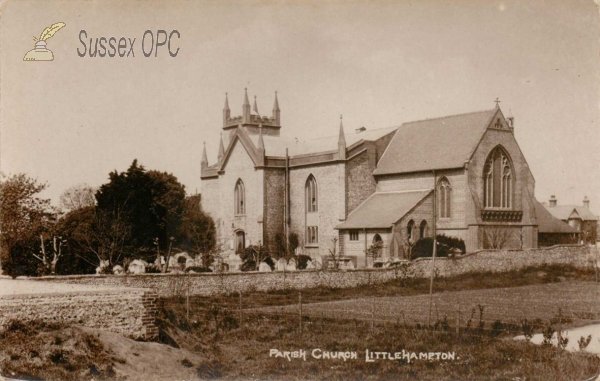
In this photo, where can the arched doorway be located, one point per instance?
(240, 241)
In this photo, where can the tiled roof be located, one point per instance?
(563, 212)
(382, 209)
(440, 143)
(275, 146)
(547, 223)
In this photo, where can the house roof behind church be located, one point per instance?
(564, 212)
(382, 209)
(275, 146)
(440, 143)
(547, 223)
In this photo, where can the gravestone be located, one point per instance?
(137, 266)
(264, 268)
(235, 262)
(118, 270)
(281, 264)
(103, 264)
(291, 266)
(349, 265)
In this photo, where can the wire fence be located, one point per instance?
(479, 312)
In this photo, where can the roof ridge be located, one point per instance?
(374, 129)
(407, 191)
(450, 116)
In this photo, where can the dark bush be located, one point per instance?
(153, 269)
(198, 269)
(302, 261)
(424, 246)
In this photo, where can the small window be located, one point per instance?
(410, 230)
(312, 234)
(353, 235)
(423, 229)
(240, 195)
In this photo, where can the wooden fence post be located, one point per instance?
(372, 312)
(458, 322)
(300, 310)
(241, 309)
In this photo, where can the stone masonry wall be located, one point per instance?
(129, 312)
(214, 284)
(274, 206)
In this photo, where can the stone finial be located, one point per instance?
(221, 148)
(204, 157)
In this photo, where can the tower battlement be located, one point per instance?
(251, 118)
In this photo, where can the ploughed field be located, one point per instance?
(568, 302)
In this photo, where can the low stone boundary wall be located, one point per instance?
(214, 284)
(508, 260)
(130, 312)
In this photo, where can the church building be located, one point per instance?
(356, 188)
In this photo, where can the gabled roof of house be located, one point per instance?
(382, 209)
(547, 223)
(563, 212)
(440, 143)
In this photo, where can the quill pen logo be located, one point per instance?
(40, 52)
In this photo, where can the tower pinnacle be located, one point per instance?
(276, 111)
(255, 107)
(246, 107)
(226, 111)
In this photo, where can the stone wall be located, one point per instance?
(214, 284)
(130, 312)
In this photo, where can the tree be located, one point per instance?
(496, 237)
(253, 256)
(197, 231)
(78, 197)
(23, 217)
(92, 237)
(49, 261)
(149, 203)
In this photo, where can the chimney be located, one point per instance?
(360, 129)
(552, 201)
(586, 202)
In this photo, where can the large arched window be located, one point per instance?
(444, 198)
(311, 197)
(498, 180)
(240, 198)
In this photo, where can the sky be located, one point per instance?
(378, 63)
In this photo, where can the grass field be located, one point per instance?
(236, 333)
(574, 302)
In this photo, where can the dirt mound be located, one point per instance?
(145, 361)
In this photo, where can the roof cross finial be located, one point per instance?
(497, 102)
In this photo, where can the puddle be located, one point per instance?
(573, 334)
